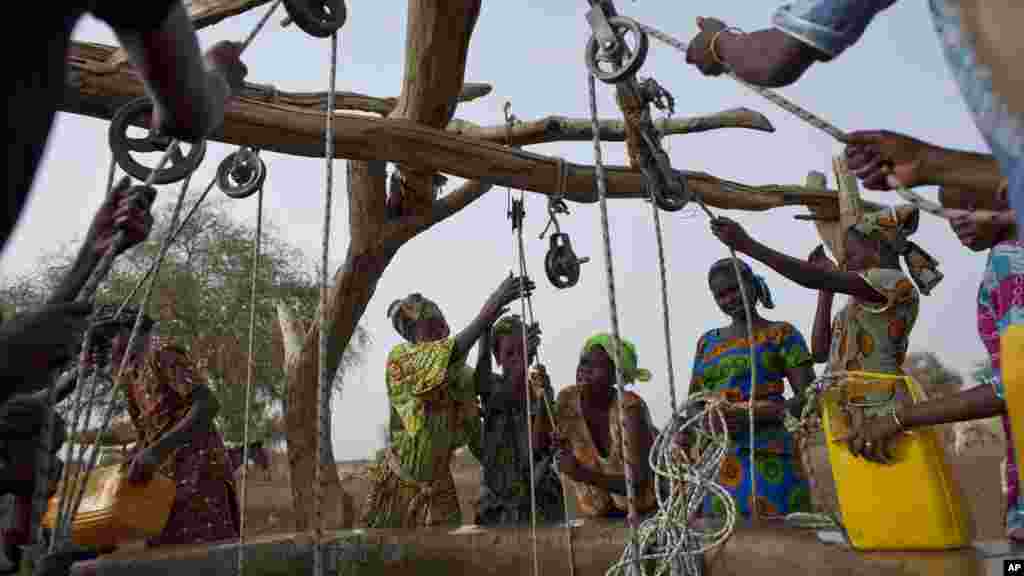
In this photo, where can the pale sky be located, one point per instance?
(531, 52)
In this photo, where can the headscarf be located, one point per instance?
(406, 312)
(761, 292)
(893, 227)
(630, 372)
(507, 326)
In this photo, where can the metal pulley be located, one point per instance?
(560, 263)
(242, 173)
(318, 18)
(609, 55)
(121, 145)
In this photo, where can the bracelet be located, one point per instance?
(714, 39)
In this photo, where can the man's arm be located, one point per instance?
(199, 418)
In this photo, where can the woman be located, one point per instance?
(722, 365)
(591, 458)
(998, 307)
(433, 411)
(872, 331)
(173, 413)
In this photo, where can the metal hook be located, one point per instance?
(556, 206)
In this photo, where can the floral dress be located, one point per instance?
(1001, 303)
(433, 405)
(722, 365)
(504, 457)
(159, 395)
(871, 337)
(591, 500)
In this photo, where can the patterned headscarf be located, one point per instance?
(761, 292)
(405, 313)
(630, 372)
(893, 227)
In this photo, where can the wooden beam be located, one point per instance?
(298, 131)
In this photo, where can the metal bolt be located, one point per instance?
(286, 21)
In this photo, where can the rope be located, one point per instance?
(324, 395)
(249, 376)
(664, 300)
(602, 191)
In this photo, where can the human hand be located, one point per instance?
(42, 340)
(539, 381)
(511, 289)
(125, 209)
(698, 53)
(871, 438)
(731, 234)
(533, 333)
(977, 229)
(884, 160)
(142, 466)
(820, 259)
(225, 59)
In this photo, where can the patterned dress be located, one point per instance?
(433, 405)
(722, 365)
(1001, 303)
(504, 453)
(159, 396)
(871, 337)
(591, 500)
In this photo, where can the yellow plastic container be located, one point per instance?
(1011, 357)
(912, 504)
(114, 510)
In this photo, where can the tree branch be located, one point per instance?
(346, 100)
(562, 129)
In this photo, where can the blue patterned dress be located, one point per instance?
(722, 365)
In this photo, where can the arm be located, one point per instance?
(766, 57)
(978, 173)
(972, 404)
(799, 378)
(639, 441)
(199, 418)
(821, 334)
(188, 93)
(482, 372)
(810, 276)
(511, 289)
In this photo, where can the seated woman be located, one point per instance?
(722, 365)
(591, 458)
(997, 309)
(433, 412)
(505, 488)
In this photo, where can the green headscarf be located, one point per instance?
(507, 326)
(630, 372)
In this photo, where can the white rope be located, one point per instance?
(248, 379)
(324, 387)
(602, 191)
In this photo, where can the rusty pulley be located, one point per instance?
(242, 173)
(318, 18)
(121, 145)
(561, 263)
(609, 55)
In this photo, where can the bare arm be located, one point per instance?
(189, 97)
(199, 419)
(482, 372)
(810, 276)
(799, 378)
(972, 404)
(639, 441)
(766, 57)
(821, 334)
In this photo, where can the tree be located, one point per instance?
(201, 299)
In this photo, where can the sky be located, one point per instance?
(531, 52)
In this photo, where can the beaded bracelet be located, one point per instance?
(711, 45)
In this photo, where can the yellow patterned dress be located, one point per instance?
(871, 337)
(591, 500)
(434, 411)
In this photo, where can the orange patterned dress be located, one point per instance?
(591, 500)
(159, 396)
(872, 337)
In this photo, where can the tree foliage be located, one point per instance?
(201, 300)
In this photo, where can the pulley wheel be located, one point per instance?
(318, 18)
(241, 174)
(561, 264)
(624, 60)
(178, 166)
(674, 197)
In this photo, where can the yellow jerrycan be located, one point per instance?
(1011, 358)
(913, 503)
(114, 510)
